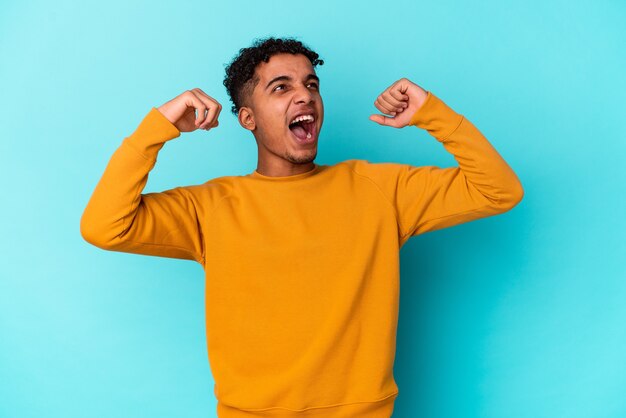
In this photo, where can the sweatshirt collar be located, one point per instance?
(255, 174)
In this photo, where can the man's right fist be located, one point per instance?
(181, 111)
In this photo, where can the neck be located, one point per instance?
(285, 169)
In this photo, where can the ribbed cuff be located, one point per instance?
(436, 117)
(152, 133)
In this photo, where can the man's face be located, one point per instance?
(288, 87)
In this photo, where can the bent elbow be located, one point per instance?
(512, 197)
(87, 231)
(519, 194)
(90, 232)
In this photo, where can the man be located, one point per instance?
(301, 260)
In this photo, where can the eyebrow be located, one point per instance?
(287, 78)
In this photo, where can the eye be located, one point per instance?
(314, 85)
(280, 85)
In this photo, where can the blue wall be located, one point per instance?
(519, 315)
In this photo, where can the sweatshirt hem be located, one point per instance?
(381, 408)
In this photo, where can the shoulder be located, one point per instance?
(213, 190)
(375, 170)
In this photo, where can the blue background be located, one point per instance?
(519, 315)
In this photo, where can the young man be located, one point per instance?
(301, 260)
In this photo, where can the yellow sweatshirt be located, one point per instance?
(302, 271)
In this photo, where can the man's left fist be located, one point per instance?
(400, 100)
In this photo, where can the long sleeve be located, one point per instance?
(427, 198)
(119, 217)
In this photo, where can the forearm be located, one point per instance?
(488, 175)
(116, 198)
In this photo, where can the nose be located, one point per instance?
(303, 95)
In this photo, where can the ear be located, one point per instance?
(246, 118)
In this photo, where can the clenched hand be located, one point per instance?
(400, 100)
(181, 111)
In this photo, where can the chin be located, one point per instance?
(302, 157)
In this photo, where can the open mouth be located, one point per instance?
(304, 132)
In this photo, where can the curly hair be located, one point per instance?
(241, 77)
